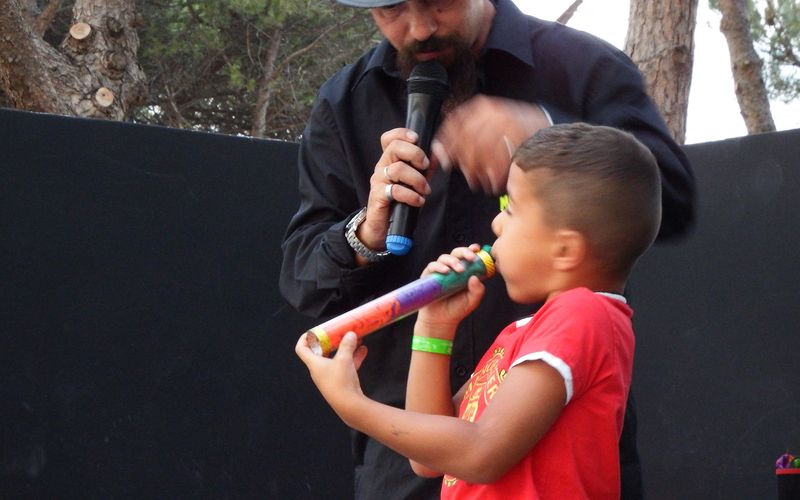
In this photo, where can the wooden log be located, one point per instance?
(80, 31)
(104, 97)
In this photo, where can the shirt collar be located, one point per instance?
(510, 32)
(382, 57)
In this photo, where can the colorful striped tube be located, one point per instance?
(375, 314)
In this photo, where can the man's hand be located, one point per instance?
(480, 136)
(401, 166)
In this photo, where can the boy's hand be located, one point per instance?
(336, 378)
(440, 318)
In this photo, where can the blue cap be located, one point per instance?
(398, 245)
(368, 4)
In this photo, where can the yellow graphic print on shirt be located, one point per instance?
(481, 389)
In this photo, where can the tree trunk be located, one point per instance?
(751, 92)
(94, 73)
(24, 62)
(46, 17)
(660, 41)
(264, 87)
(272, 67)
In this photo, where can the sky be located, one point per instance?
(713, 111)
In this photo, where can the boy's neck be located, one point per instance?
(595, 284)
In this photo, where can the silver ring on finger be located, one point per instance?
(386, 173)
(388, 192)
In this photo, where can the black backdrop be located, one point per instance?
(145, 350)
(717, 369)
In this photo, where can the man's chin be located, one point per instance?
(457, 59)
(407, 63)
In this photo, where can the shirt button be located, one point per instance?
(461, 371)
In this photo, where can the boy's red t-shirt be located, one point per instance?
(588, 338)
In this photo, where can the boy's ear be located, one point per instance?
(569, 250)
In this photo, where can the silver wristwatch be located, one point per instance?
(355, 243)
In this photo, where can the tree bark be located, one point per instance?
(24, 77)
(264, 88)
(751, 92)
(94, 72)
(660, 41)
(567, 14)
(43, 21)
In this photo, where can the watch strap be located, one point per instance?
(356, 244)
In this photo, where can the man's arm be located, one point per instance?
(319, 272)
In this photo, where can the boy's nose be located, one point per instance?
(497, 225)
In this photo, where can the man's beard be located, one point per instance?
(460, 65)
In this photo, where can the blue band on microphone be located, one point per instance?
(398, 245)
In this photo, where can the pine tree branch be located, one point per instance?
(45, 19)
(567, 15)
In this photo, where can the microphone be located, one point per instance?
(323, 339)
(427, 88)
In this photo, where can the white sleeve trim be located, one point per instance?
(546, 114)
(560, 366)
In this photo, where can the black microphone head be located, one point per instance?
(429, 77)
(427, 89)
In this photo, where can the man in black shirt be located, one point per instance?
(510, 75)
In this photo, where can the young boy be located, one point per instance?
(542, 414)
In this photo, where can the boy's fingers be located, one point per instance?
(347, 345)
(359, 355)
(477, 288)
(475, 285)
(303, 351)
(350, 351)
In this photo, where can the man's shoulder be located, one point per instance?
(347, 78)
(552, 38)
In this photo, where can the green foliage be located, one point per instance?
(777, 37)
(204, 60)
(775, 28)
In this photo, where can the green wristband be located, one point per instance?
(428, 344)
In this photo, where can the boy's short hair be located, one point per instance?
(601, 182)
